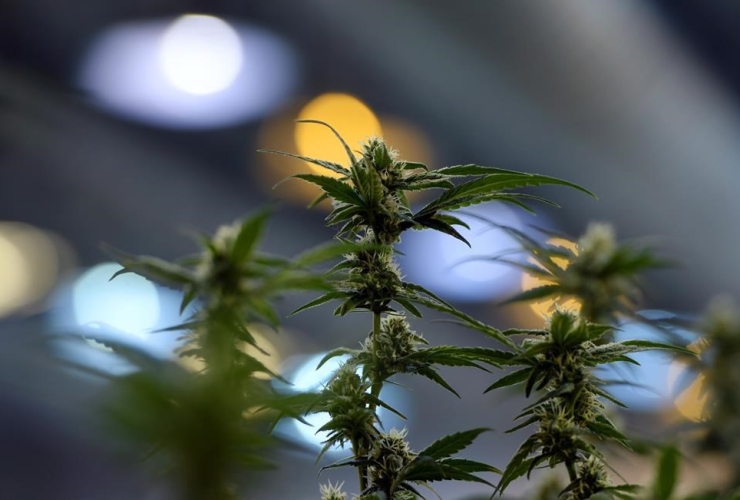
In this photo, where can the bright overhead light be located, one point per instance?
(456, 272)
(192, 73)
(351, 117)
(201, 54)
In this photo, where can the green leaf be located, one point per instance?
(414, 165)
(511, 379)
(408, 306)
(435, 377)
(339, 351)
(442, 227)
(347, 149)
(327, 297)
(667, 475)
(454, 443)
(335, 188)
(334, 167)
(536, 293)
(646, 344)
(249, 233)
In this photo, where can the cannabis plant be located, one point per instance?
(371, 210)
(202, 426)
(601, 275)
(559, 361)
(718, 364)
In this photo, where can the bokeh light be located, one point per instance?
(268, 354)
(352, 118)
(456, 272)
(544, 307)
(197, 72)
(201, 54)
(129, 303)
(653, 383)
(690, 398)
(29, 265)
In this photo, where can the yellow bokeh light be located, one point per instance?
(691, 402)
(260, 333)
(544, 307)
(277, 133)
(29, 265)
(352, 118)
(410, 142)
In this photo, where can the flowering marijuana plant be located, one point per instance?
(718, 364)
(371, 210)
(560, 360)
(201, 425)
(600, 274)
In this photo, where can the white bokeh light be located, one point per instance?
(201, 54)
(129, 303)
(447, 266)
(197, 72)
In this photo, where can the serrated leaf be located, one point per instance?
(335, 188)
(511, 379)
(327, 297)
(454, 443)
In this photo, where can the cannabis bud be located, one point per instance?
(332, 491)
(389, 455)
(592, 478)
(395, 342)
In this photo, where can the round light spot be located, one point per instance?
(129, 303)
(447, 266)
(29, 265)
(544, 307)
(200, 54)
(352, 118)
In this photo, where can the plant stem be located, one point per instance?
(571, 470)
(377, 384)
(361, 471)
(375, 391)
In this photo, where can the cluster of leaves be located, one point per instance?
(559, 361)
(395, 471)
(718, 364)
(202, 426)
(371, 210)
(600, 274)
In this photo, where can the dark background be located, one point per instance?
(638, 101)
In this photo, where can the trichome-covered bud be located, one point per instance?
(332, 491)
(592, 478)
(597, 245)
(395, 342)
(376, 278)
(389, 454)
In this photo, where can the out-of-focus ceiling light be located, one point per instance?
(29, 265)
(351, 117)
(201, 54)
(129, 303)
(451, 269)
(194, 72)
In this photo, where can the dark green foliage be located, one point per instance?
(570, 414)
(204, 427)
(371, 210)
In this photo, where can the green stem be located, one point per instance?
(361, 471)
(377, 384)
(375, 391)
(570, 465)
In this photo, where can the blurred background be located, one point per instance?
(136, 123)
